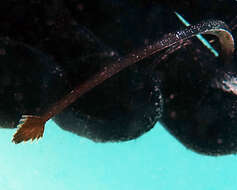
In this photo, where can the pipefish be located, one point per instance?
(32, 127)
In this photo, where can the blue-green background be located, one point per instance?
(64, 161)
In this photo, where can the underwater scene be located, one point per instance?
(118, 94)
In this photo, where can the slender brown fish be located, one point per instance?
(32, 127)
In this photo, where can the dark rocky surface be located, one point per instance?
(54, 46)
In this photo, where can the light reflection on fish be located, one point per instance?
(228, 83)
(32, 127)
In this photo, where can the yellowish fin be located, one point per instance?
(30, 127)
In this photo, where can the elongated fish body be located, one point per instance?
(32, 127)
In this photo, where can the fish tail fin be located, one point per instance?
(30, 127)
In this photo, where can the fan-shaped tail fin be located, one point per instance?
(30, 127)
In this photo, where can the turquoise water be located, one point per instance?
(65, 161)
